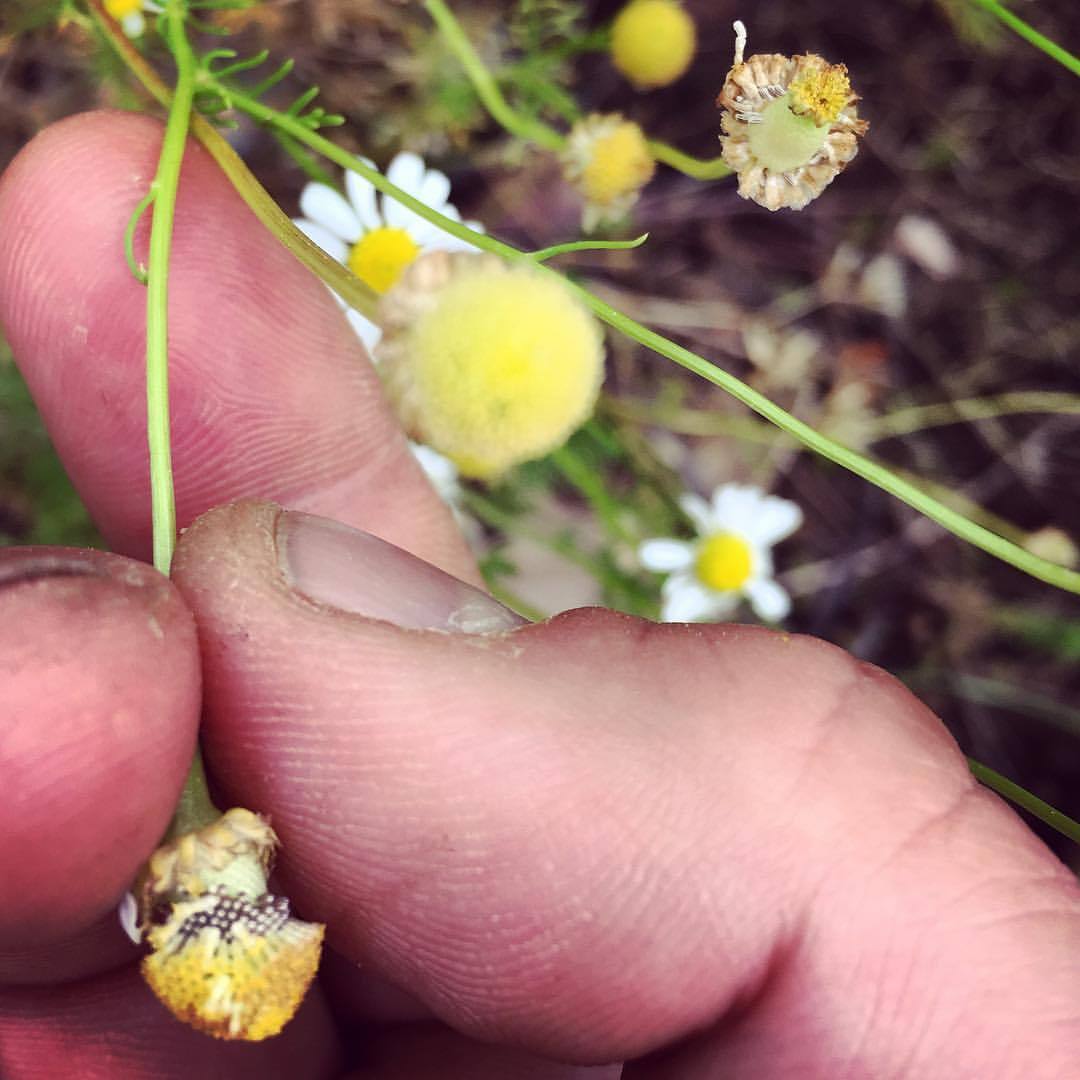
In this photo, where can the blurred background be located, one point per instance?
(926, 309)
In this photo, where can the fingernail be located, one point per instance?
(19, 565)
(359, 573)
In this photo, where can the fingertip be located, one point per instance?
(102, 700)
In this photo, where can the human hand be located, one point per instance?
(706, 851)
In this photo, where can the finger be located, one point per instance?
(421, 1051)
(111, 1027)
(271, 392)
(100, 703)
(598, 837)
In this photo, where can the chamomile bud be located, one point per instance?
(489, 363)
(226, 956)
(653, 42)
(129, 14)
(608, 160)
(790, 125)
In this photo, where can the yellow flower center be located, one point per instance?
(820, 91)
(379, 257)
(652, 42)
(121, 9)
(502, 369)
(724, 562)
(620, 163)
(784, 140)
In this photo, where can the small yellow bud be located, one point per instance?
(653, 42)
(487, 363)
(608, 160)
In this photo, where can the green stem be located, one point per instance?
(1030, 34)
(163, 193)
(536, 131)
(589, 484)
(587, 245)
(1025, 800)
(485, 86)
(966, 410)
(697, 168)
(138, 272)
(907, 492)
(349, 287)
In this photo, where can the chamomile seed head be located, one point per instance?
(487, 363)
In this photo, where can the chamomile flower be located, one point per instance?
(790, 125)
(730, 559)
(607, 158)
(129, 14)
(375, 236)
(226, 956)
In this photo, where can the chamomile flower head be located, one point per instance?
(729, 560)
(608, 160)
(790, 125)
(374, 235)
(226, 956)
(487, 363)
(653, 42)
(129, 14)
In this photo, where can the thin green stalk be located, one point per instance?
(589, 484)
(163, 192)
(907, 492)
(1030, 34)
(195, 807)
(485, 86)
(534, 130)
(966, 410)
(587, 245)
(1025, 800)
(349, 287)
(696, 168)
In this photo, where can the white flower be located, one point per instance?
(731, 557)
(442, 474)
(129, 14)
(375, 236)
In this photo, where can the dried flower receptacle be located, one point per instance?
(790, 125)
(226, 956)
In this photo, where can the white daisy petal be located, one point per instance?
(663, 556)
(361, 194)
(134, 24)
(406, 171)
(365, 329)
(769, 600)
(698, 511)
(128, 913)
(776, 519)
(324, 206)
(734, 506)
(476, 226)
(687, 600)
(333, 245)
(434, 189)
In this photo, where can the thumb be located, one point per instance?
(597, 836)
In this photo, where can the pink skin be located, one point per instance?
(707, 851)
